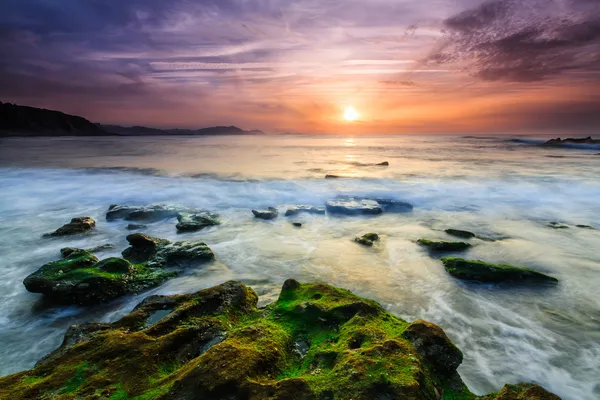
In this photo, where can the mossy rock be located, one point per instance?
(80, 278)
(315, 342)
(486, 272)
(522, 391)
(442, 245)
(367, 239)
(460, 233)
(77, 225)
(557, 225)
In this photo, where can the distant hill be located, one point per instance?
(144, 131)
(30, 121)
(18, 120)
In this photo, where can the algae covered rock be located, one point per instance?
(367, 239)
(486, 272)
(460, 233)
(80, 278)
(194, 222)
(269, 213)
(522, 391)
(442, 245)
(315, 342)
(77, 225)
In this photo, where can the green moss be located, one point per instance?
(441, 245)
(315, 342)
(486, 272)
(367, 239)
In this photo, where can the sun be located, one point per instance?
(350, 114)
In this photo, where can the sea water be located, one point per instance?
(507, 191)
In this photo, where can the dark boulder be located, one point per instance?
(151, 213)
(442, 245)
(367, 239)
(383, 164)
(353, 206)
(295, 210)
(432, 344)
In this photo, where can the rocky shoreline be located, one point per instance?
(315, 342)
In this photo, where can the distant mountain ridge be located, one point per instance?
(16, 120)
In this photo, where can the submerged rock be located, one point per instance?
(77, 225)
(585, 227)
(442, 245)
(383, 164)
(269, 213)
(353, 206)
(195, 222)
(366, 206)
(559, 141)
(460, 233)
(557, 225)
(136, 227)
(315, 342)
(80, 278)
(295, 210)
(297, 224)
(486, 272)
(367, 239)
(151, 213)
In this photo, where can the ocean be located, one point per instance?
(504, 189)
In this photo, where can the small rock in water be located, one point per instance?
(557, 225)
(367, 239)
(383, 164)
(585, 226)
(77, 225)
(460, 233)
(295, 210)
(442, 245)
(270, 213)
(194, 222)
(297, 224)
(485, 272)
(331, 176)
(65, 252)
(135, 227)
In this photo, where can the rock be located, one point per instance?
(80, 278)
(432, 344)
(366, 206)
(585, 227)
(158, 253)
(136, 227)
(522, 391)
(441, 245)
(65, 252)
(485, 272)
(77, 225)
(353, 206)
(459, 233)
(270, 213)
(297, 224)
(151, 213)
(195, 222)
(559, 141)
(383, 164)
(367, 239)
(557, 225)
(315, 342)
(295, 210)
(331, 176)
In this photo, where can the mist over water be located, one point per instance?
(505, 191)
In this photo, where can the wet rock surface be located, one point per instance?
(76, 226)
(194, 222)
(150, 213)
(302, 209)
(442, 245)
(269, 213)
(315, 342)
(367, 239)
(486, 272)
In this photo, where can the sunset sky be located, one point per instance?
(405, 66)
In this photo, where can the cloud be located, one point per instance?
(523, 40)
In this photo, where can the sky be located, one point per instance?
(405, 66)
